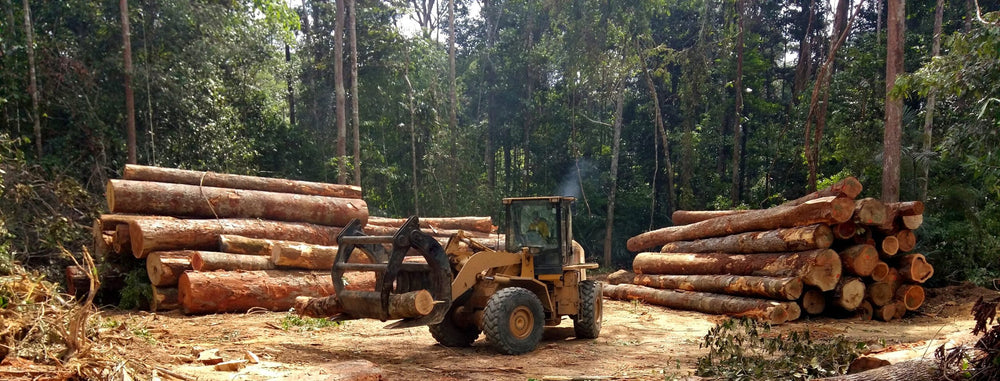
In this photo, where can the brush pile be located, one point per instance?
(824, 253)
(215, 242)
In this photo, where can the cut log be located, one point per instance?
(621, 277)
(804, 238)
(222, 180)
(793, 310)
(156, 235)
(813, 301)
(103, 240)
(232, 291)
(880, 293)
(893, 278)
(894, 210)
(164, 299)
(77, 282)
(886, 312)
(366, 305)
(829, 210)
(914, 268)
(127, 196)
(821, 267)
(754, 286)
(736, 306)
(911, 295)
(888, 247)
(865, 311)
(849, 293)
(468, 224)
(311, 257)
(912, 222)
(869, 211)
(859, 259)
(907, 240)
(121, 242)
(212, 261)
(237, 244)
(446, 233)
(880, 271)
(849, 187)
(845, 230)
(165, 267)
(111, 220)
(900, 308)
(687, 217)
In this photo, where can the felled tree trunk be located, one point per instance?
(859, 259)
(165, 267)
(687, 217)
(869, 211)
(849, 293)
(173, 234)
(880, 271)
(736, 306)
(913, 370)
(755, 286)
(880, 293)
(914, 268)
(164, 299)
(468, 224)
(804, 238)
(829, 210)
(888, 247)
(211, 261)
(849, 187)
(314, 257)
(222, 180)
(820, 268)
(885, 313)
(845, 230)
(907, 240)
(231, 291)
(813, 301)
(122, 241)
(865, 311)
(621, 277)
(126, 196)
(911, 295)
(366, 305)
(237, 244)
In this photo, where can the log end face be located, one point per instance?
(841, 209)
(823, 236)
(826, 272)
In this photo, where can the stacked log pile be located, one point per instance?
(824, 253)
(227, 243)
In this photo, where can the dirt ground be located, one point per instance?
(637, 342)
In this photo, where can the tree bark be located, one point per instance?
(225, 180)
(869, 211)
(212, 261)
(665, 141)
(231, 291)
(893, 105)
(312, 257)
(237, 244)
(366, 305)
(338, 80)
(820, 268)
(753, 286)
(928, 133)
(813, 301)
(849, 187)
(828, 210)
(914, 268)
(615, 148)
(127, 196)
(913, 370)
(155, 235)
(352, 37)
(129, 99)
(804, 238)
(687, 217)
(164, 268)
(32, 78)
(109, 222)
(164, 299)
(452, 85)
(859, 259)
(911, 295)
(736, 306)
(849, 293)
(736, 181)
(621, 277)
(468, 224)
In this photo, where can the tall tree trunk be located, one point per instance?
(803, 67)
(615, 148)
(32, 79)
(352, 31)
(413, 135)
(490, 78)
(893, 105)
(662, 132)
(737, 118)
(291, 89)
(928, 138)
(129, 99)
(452, 86)
(338, 80)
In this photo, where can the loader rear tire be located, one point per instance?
(450, 334)
(513, 321)
(587, 322)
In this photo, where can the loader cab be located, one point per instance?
(543, 225)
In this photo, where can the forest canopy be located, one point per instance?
(441, 108)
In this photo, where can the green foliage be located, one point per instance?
(743, 349)
(137, 292)
(292, 321)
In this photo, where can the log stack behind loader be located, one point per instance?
(824, 253)
(214, 242)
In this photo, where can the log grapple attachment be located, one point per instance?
(406, 261)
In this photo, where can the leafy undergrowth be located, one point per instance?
(743, 349)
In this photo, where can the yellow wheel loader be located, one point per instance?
(510, 295)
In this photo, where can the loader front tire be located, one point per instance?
(452, 334)
(587, 322)
(513, 321)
